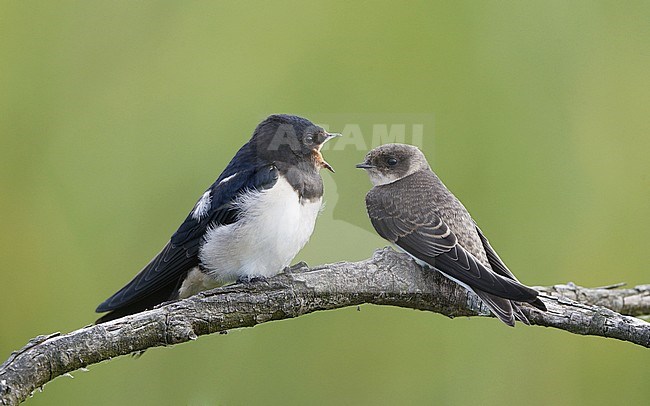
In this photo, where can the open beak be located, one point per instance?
(364, 166)
(319, 157)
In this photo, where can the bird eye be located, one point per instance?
(309, 139)
(391, 161)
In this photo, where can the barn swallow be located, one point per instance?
(250, 223)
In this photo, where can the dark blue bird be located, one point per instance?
(250, 223)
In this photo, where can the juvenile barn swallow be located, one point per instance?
(250, 223)
(410, 207)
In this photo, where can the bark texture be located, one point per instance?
(388, 278)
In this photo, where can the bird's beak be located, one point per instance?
(327, 166)
(364, 166)
(329, 136)
(319, 156)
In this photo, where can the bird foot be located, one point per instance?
(249, 279)
(297, 268)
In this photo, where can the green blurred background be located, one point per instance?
(115, 117)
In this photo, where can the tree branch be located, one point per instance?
(388, 278)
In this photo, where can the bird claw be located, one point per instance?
(296, 268)
(249, 279)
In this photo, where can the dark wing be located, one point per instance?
(500, 267)
(157, 281)
(425, 236)
(493, 258)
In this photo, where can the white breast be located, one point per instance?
(273, 227)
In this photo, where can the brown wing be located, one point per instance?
(419, 231)
(500, 267)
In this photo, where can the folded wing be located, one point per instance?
(425, 236)
(159, 279)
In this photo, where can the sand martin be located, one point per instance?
(410, 207)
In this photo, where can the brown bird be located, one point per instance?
(410, 207)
